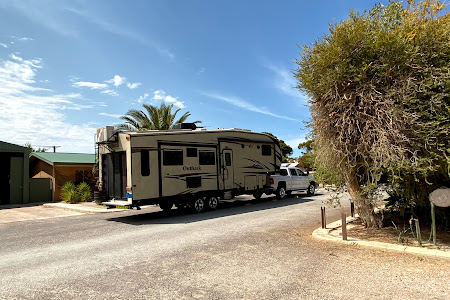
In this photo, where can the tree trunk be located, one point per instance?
(364, 207)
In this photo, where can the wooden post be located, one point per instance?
(433, 223)
(344, 226)
(352, 208)
(323, 217)
(419, 237)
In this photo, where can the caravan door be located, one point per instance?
(228, 169)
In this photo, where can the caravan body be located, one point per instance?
(177, 166)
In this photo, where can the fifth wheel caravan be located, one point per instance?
(184, 167)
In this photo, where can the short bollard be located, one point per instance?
(323, 216)
(352, 208)
(344, 227)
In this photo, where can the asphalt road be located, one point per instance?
(244, 250)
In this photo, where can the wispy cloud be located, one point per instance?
(143, 97)
(22, 39)
(245, 105)
(119, 30)
(110, 92)
(133, 85)
(36, 115)
(50, 14)
(91, 85)
(284, 81)
(110, 115)
(3, 45)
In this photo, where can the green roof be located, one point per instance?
(8, 147)
(65, 158)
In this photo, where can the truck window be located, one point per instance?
(172, 157)
(293, 172)
(145, 163)
(206, 157)
(266, 150)
(283, 172)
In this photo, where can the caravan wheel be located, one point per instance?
(198, 204)
(213, 201)
(166, 205)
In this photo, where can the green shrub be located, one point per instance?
(83, 192)
(68, 193)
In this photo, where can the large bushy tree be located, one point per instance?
(379, 84)
(155, 118)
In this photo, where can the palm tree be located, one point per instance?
(157, 118)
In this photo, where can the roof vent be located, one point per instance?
(184, 126)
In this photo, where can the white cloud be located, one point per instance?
(91, 85)
(117, 29)
(23, 39)
(110, 115)
(285, 82)
(35, 115)
(143, 97)
(117, 80)
(13, 56)
(161, 95)
(134, 85)
(110, 92)
(3, 45)
(246, 105)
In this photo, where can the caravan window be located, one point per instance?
(145, 163)
(172, 157)
(266, 150)
(191, 152)
(228, 159)
(206, 157)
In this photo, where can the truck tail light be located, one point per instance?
(271, 180)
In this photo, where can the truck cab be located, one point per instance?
(290, 179)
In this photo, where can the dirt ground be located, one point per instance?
(401, 235)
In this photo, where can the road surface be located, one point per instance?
(244, 250)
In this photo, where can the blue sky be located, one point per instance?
(68, 67)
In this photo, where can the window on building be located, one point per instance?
(145, 162)
(206, 157)
(172, 157)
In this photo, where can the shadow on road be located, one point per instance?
(226, 208)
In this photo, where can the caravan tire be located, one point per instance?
(257, 195)
(198, 204)
(213, 202)
(166, 205)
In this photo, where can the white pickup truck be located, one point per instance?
(291, 179)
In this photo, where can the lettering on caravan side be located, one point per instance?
(192, 168)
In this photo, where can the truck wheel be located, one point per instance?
(213, 201)
(166, 205)
(198, 204)
(311, 189)
(281, 192)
